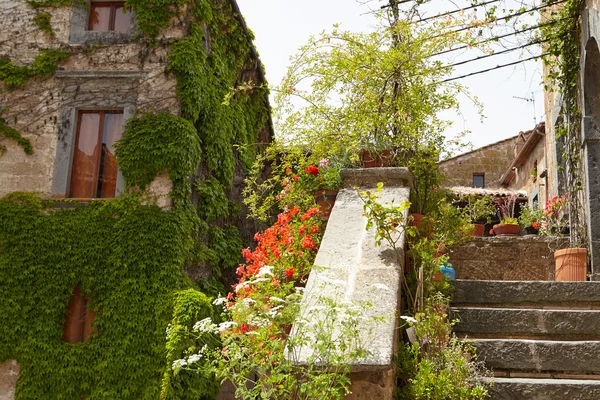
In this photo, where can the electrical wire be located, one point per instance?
(455, 11)
(497, 53)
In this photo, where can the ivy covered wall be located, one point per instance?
(129, 255)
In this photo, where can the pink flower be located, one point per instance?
(323, 162)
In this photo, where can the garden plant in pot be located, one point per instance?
(509, 225)
(531, 218)
(570, 263)
(478, 209)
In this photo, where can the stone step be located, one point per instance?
(527, 323)
(540, 294)
(539, 355)
(544, 389)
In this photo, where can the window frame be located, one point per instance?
(98, 162)
(482, 175)
(80, 34)
(112, 16)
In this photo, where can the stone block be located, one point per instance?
(544, 389)
(9, 373)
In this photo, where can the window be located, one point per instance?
(109, 16)
(78, 321)
(478, 180)
(94, 171)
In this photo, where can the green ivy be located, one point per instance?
(129, 259)
(42, 20)
(12, 133)
(156, 142)
(44, 64)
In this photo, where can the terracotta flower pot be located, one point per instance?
(571, 264)
(424, 228)
(325, 200)
(374, 160)
(479, 229)
(507, 229)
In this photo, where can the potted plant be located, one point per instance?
(570, 263)
(478, 209)
(531, 218)
(509, 225)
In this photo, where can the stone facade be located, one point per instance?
(9, 373)
(525, 180)
(523, 258)
(106, 72)
(492, 160)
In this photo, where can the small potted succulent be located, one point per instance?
(478, 209)
(509, 225)
(531, 218)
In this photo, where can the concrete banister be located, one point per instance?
(351, 270)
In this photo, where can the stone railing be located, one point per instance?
(351, 271)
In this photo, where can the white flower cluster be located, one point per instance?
(265, 271)
(219, 301)
(206, 326)
(194, 358)
(223, 326)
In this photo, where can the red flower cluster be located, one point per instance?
(555, 204)
(312, 170)
(535, 225)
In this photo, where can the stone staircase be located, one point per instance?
(541, 339)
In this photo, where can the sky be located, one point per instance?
(282, 26)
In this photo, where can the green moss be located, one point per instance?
(11, 133)
(42, 20)
(129, 259)
(44, 64)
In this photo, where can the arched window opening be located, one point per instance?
(79, 318)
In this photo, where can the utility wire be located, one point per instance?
(494, 68)
(500, 19)
(397, 4)
(456, 11)
(496, 38)
(498, 53)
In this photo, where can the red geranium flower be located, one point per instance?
(492, 232)
(295, 178)
(312, 170)
(314, 229)
(289, 272)
(535, 225)
(288, 171)
(307, 242)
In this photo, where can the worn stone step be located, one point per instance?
(502, 322)
(541, 294)
(539, 355)
(544, 389)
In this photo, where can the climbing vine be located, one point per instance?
(129, 259)
(563, 60)
(12, 133)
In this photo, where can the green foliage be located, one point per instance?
(42, 20)
(12, 133)
(190, 306)
(50, 3)
(477, 208)
(129, 259)
(44, 64)
(438, 366)
(159, 142)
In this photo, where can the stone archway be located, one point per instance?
(591, 148)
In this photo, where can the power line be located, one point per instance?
(497, 53)
(500, 19)
(496, 38)
(456, 11)
(492, 69)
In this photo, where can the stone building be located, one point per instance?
(483, 167)
(72, 74)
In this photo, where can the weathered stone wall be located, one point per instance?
(492, 160)
(528, 258)
(9, 373)
(523, 179)
(108, 72)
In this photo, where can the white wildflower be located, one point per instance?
(194, 358)
(241, 286)
(178, 364)
(265, 271)
(219, 301)
(277, 299)
(248, 301)
(409, 319)
(258, 280)
(206, 326)
(223, 326)
(252, 333)
(273, 311)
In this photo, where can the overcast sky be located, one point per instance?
(282, 26)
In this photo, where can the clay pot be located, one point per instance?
(437, 277)
(376, 160)
(507, 229)
(571, 264)
(479, 229)
(424, 228)
(325, 200)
